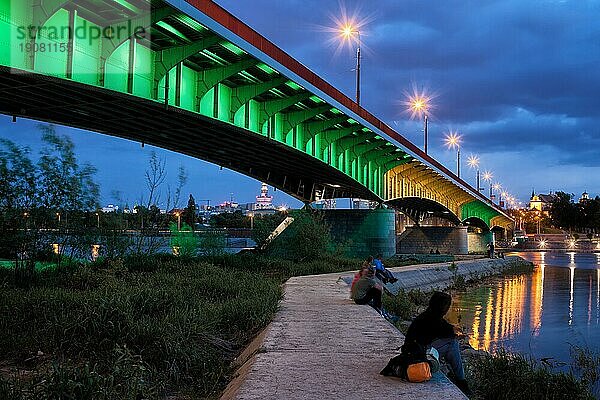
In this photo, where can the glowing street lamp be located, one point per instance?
(453, 142)
(473, 162)
(178, 215)
(488, 176)
(542, 244)
(251, 215)
(349, 32)
(497, 188)
(418, 105)
(98, 220)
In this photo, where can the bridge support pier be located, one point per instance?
(363, 232)
(423, 239)
(478, 241)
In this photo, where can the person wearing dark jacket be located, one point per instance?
(430, 329)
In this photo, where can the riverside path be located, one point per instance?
(323, 346)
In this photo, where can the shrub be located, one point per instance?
(506, 376)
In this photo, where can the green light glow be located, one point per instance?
(174, 31)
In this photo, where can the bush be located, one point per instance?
(407, 304)
(506, 376)
(306, 239)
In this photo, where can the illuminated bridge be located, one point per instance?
(187, 76)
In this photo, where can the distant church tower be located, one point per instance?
(535, 203)
(264, 201)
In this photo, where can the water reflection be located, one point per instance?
(538, 314)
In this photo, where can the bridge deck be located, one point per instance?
(322, 345)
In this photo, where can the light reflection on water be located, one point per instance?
(539, 314)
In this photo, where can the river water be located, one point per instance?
(540, 314)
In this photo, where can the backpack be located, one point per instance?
(412, 364)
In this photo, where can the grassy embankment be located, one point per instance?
(143, 327)
(500, 375)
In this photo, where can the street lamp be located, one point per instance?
(58, 216)
(453, 141)
(418, 105)
(497, 188)
(251, 215)
(473, 162)
(98, 220)
(178, 215)
(349, 32)
(488, 176)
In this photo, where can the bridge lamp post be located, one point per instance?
(497, 188)
(473, 162)
(349, 32)
(453, 142)
(419, 105)
(488, 176)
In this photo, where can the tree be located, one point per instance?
(189, 213)
(563, 212)
(63, 183)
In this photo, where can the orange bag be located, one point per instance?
(418, 372)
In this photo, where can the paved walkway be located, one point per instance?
(323, 346)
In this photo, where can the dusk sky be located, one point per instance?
(519, 80)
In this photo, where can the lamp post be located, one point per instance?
(348, 32)
(488, 176)
(497, 188)
(418, 105)
(98, 220)
(178, 215)
(473, 162)
(453, 142)
(251, 215)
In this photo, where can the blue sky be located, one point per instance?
(519, 80)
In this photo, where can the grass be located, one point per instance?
(506, 376)
(108, 332)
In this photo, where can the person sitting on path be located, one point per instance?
(430, 329)
(363, 270)
(367, 291)
(383, 274)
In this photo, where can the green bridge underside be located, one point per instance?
(184, 88)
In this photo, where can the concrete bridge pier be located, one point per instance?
(423, 239)
(363, 232)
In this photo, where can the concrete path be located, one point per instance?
(323, 346)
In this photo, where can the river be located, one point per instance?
(541, 314)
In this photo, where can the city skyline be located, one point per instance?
(532, 122)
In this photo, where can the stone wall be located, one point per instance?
(478, 242)
(363, 232)
(423, 239)
(438, 276)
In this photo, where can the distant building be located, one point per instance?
(584, 197)
(540, 202)
(264, 201)
(110, 208)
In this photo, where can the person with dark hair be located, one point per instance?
(383, 274)
(430, 329)
(367, 291)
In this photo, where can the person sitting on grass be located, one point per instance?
(383, 274)
(367, 291)
(430, 329)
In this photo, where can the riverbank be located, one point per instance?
(322, 345)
